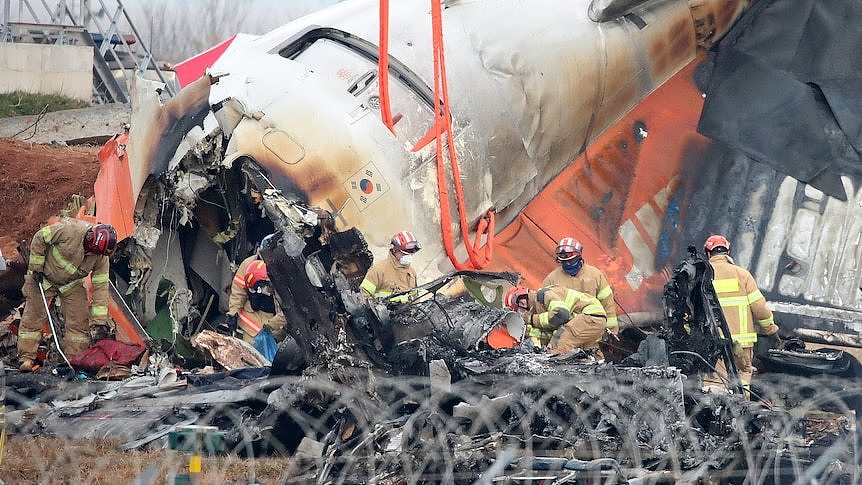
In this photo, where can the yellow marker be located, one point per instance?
(3, 432)
(195, 464)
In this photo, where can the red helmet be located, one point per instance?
(569, 248)
(255, 273)
(405, 242)
(716, 241)
(100, 239)
(513, 294)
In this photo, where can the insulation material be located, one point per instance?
(785, 90)
(232, 353)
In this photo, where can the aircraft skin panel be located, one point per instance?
(801, 246)
(804, 249)
(620, 199)
(524, 106)
(774, 240)
(575, 132)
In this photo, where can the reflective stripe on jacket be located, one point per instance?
(249, 324)
(556, 306)
(593, 282)
(238, 295)
(249, 320)
(57, 251)
(252, 322)
(740, 299)
(387, 277)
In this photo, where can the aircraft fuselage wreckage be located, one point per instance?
(490, 129)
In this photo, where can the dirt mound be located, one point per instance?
(37, 181)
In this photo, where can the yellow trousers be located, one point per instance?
(75, 307)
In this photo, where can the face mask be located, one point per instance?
(573, 267)
(405, 259)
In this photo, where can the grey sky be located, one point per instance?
(176, 29)
(180, 29)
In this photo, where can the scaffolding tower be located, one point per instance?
(117, 57)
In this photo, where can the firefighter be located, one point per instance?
(252, 304)
(62, 255)
(558, 318)
(238, 294)
(743, 305)
(575, 274)
(394, 274)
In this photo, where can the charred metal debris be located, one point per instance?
(387, 392)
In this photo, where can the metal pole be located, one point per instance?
(146, 49)
(7, 11)
(51, 323)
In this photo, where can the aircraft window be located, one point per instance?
(283, 146)
(607, 10)
(355, 71)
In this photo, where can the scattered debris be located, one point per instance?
(385, 391)
(231, 352)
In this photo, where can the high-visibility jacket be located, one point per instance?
(238, 295)
(741, 302)
(251, 321)
(57, 251)
(555, 307)
(593, 282)
(387, 277)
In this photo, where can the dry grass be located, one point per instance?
(58, 461)
(19, 103)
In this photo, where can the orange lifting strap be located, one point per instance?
(479, 256)
(383, 67)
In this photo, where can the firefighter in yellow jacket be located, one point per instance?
(743, 305)
(252, 302)
(561, 319)
(62, 255)
(394, 274)
(574, 273)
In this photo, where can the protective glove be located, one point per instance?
(771, 334)
(100, 332)
(231, 322)
(774, 341)
(38, 277)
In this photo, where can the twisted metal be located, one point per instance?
(640, 426)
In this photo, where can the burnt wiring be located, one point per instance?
(449, 321)
(212, 203)
(631, 320)
(414, 302)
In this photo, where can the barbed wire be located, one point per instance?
(596, 422)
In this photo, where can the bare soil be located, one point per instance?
(37, 181)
